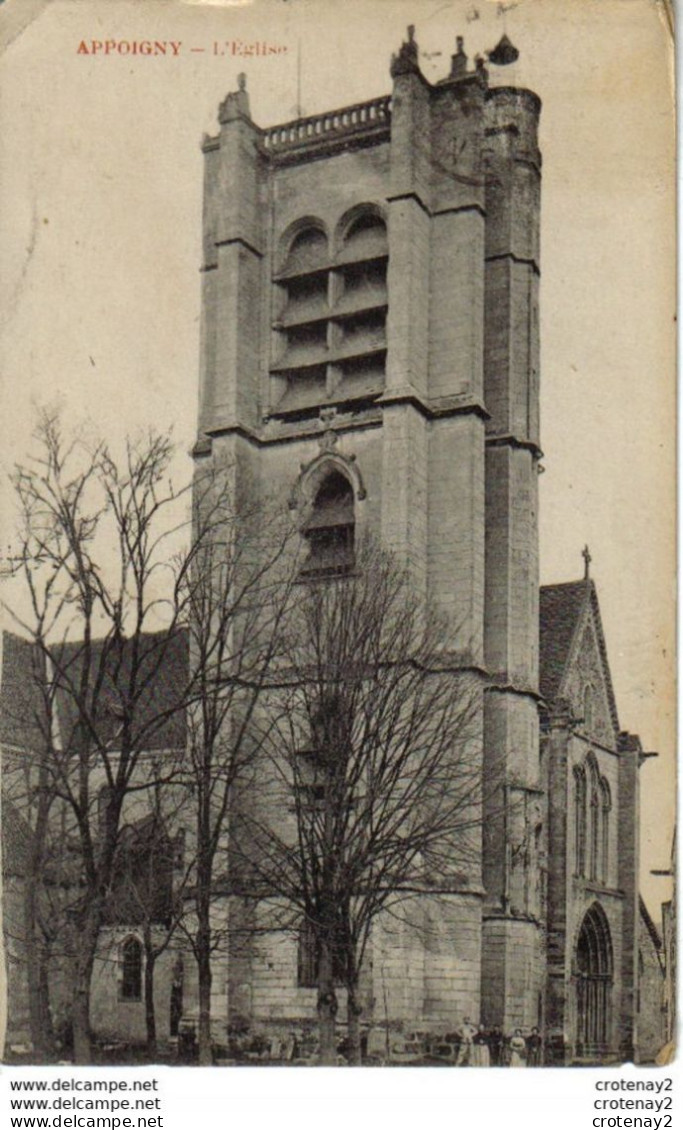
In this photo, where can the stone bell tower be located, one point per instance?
(369, 354)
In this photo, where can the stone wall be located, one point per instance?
(115, 1019)
(650, 1020)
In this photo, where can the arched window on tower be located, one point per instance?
(580, 819)
(365, 238)
(330, 529)
(330, 313)
(307, 251)
(360, 307)
(131, 970)
(301, 311)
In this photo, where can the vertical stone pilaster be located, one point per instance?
(408, 200)
(405, 488)
(512, 165)
(560, 867)
(629, 838)
(232, 284)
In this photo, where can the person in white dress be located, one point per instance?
(517, 1049)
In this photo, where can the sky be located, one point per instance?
(100, 229)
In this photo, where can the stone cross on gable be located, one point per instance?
(585, 553)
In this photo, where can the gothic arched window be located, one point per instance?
(131, 970)
(330, 529)
(606, 805)
(594, 816)
(580, 820)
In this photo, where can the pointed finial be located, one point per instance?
(236, 104)
(459, 60)
(406, 60)
(585, 553)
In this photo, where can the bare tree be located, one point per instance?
(235, 588)
(37, 861)
(373, 754)
(91, 554)
(26, 707)
(343, 704)
(117, 618)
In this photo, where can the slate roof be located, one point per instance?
(16, 841)
(560, 609)
(162, 675)
(22, 711)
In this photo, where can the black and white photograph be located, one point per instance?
(338, 579)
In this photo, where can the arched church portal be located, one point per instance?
(593, 975)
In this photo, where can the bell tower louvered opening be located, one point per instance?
(331, 330)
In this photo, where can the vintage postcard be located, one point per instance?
(337, 693)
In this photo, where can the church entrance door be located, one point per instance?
(593, 976)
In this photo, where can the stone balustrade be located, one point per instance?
(351, 119)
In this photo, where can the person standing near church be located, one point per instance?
(467, 1034)
(517, 1049)
(496, 1046)
(480, 1048)
(533, 1048)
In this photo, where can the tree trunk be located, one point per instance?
(44, 997)
(40, 1021)
(86, 945)
(150, 1015)
(81, 1018)
(327, 1007)
(355, 1011)
(204, 985)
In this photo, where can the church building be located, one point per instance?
(370, 353)
(370, 363)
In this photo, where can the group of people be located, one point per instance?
(490, 1047)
